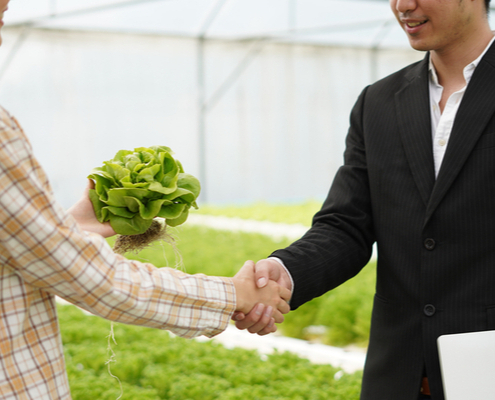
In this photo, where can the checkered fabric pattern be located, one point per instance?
(43, 253)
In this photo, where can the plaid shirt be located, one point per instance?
(43, 253)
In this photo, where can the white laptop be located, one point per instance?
(467, 361)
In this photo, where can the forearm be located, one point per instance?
(90, 275)
(48, 251)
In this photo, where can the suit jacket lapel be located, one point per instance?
(414, 123)
(475, 111)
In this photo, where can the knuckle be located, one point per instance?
(239, 326)
(251, 319)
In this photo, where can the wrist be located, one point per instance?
(241, 295)
(285, 276)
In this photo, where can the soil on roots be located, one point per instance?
(136, 243)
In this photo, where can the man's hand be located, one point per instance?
(271, 270)
(84, 214)
(266, 304)
(267, 272)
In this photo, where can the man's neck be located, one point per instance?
(450, 63)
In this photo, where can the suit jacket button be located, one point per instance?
(429, 310)
(429, 244)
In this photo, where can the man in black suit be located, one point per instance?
(419, 180)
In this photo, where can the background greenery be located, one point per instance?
(301, 213)
(344, 312)
(154, 365)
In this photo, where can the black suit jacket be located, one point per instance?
(435, 237)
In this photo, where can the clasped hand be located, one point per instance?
(263, 292)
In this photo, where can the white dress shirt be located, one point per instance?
(442, 123)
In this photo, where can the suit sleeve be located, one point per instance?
(339, 243)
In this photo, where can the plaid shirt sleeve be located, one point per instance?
(44, 253)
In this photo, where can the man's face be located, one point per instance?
(437, 25)
(3, 8)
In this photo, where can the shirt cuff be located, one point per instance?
(228, 311)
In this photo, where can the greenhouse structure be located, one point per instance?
(253, 96)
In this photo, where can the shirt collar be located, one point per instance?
(468, 69)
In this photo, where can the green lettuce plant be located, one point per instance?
(136, 187)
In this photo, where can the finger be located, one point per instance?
(247, 270)
(238, 316)
(283, 306)
(278, 317)
(91, 184)
(251, 318)
(263, 322)
(285, 294)
(266, 270)
(270, 328)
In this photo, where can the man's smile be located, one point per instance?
(414, 24)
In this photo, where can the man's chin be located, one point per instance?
(418, 45)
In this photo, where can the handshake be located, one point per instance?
(262, 290)
(262, 294)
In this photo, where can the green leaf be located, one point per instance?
(134, 165)
(179, 220)
(148, 174)
(190, 189)
(151, 209)
(118, 172)
(177, 194)
(169, 171)
(116, 197)
(102, 180)
(121, 155)
(189, 182)
(129, 226)
(120, 211)
(146, 210)
(172, 211)
(158, 187)
(139, 185)
(160, 149)
(97, 204)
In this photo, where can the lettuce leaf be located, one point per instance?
(137, 186)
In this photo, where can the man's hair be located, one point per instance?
(487, 4)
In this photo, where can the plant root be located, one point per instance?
(136, 243)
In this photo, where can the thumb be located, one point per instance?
(266, 270)
(246, 270)
(91, 184)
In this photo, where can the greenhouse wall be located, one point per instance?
(276, 134)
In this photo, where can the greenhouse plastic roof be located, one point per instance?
(367, 23)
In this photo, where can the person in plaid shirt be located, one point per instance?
(47, 252)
